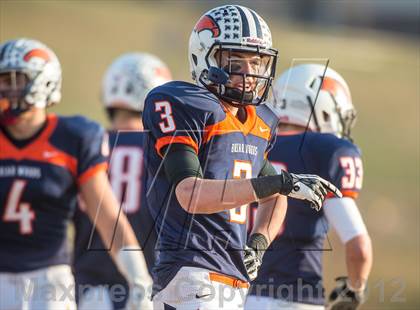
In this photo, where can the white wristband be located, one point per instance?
(130, 262)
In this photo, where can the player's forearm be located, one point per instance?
(270, 216)
(203, 196)
(115, 230)
(358, 260)
(104, 212)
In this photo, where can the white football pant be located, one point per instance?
(197, 288)
(96, 298)
(49, 288)
(268, 303)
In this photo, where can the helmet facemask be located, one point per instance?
(14, 86)
(248, 71)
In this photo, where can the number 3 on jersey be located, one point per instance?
(241, 170)
(16, 211)
(167, 124)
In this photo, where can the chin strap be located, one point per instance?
(220, 78)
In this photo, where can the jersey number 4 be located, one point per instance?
(16, 211)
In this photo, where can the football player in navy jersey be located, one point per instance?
(316, 115)
(206, 161)
(45, 161)
(125, 86)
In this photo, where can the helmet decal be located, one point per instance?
(38, 53)
(207, 23)
(335, 88)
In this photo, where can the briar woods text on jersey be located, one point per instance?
(244, 148)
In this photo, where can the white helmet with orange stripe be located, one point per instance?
(129, 78)
(41, 70)
(314, 96)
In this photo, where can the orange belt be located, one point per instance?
(217, 277)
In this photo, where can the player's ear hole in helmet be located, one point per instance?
(231, 54)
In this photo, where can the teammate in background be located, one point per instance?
(125, 86)
(206, 161)
(45, 161)
(316, 98)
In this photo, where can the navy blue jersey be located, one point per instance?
(92, 263)
(38, 190)
(180, 112)
(294, 259)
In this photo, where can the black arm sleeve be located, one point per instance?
(180, 162)
(267, 169)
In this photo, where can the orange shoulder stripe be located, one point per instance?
(85, 176)
(163, 141)
(346, 193)
(221, 128)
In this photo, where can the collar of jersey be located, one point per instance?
(32, 146)
(249, 123)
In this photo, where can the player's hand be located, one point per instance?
(343, 298)
(139, 298)
(312, 188)
(253, 254)
(252, 262)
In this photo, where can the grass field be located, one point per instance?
(381, 69)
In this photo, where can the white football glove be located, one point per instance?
(131, 263)
(253, 254)
(312, 188)
(343, 297)
(139, 298)
(252, 262)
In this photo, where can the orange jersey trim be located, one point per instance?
(346, 193)
(161, 142)
(221, 278)
(40, 149)
(253, 125)
(92, 171)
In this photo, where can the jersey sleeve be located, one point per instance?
(345, 170)
(93, 152)
(171, 121)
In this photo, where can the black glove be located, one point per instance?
(253, 254)
(343, 298)
(300, 186)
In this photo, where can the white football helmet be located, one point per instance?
(42, 70)
(316, 96)
(225, 30)
(129, 78)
